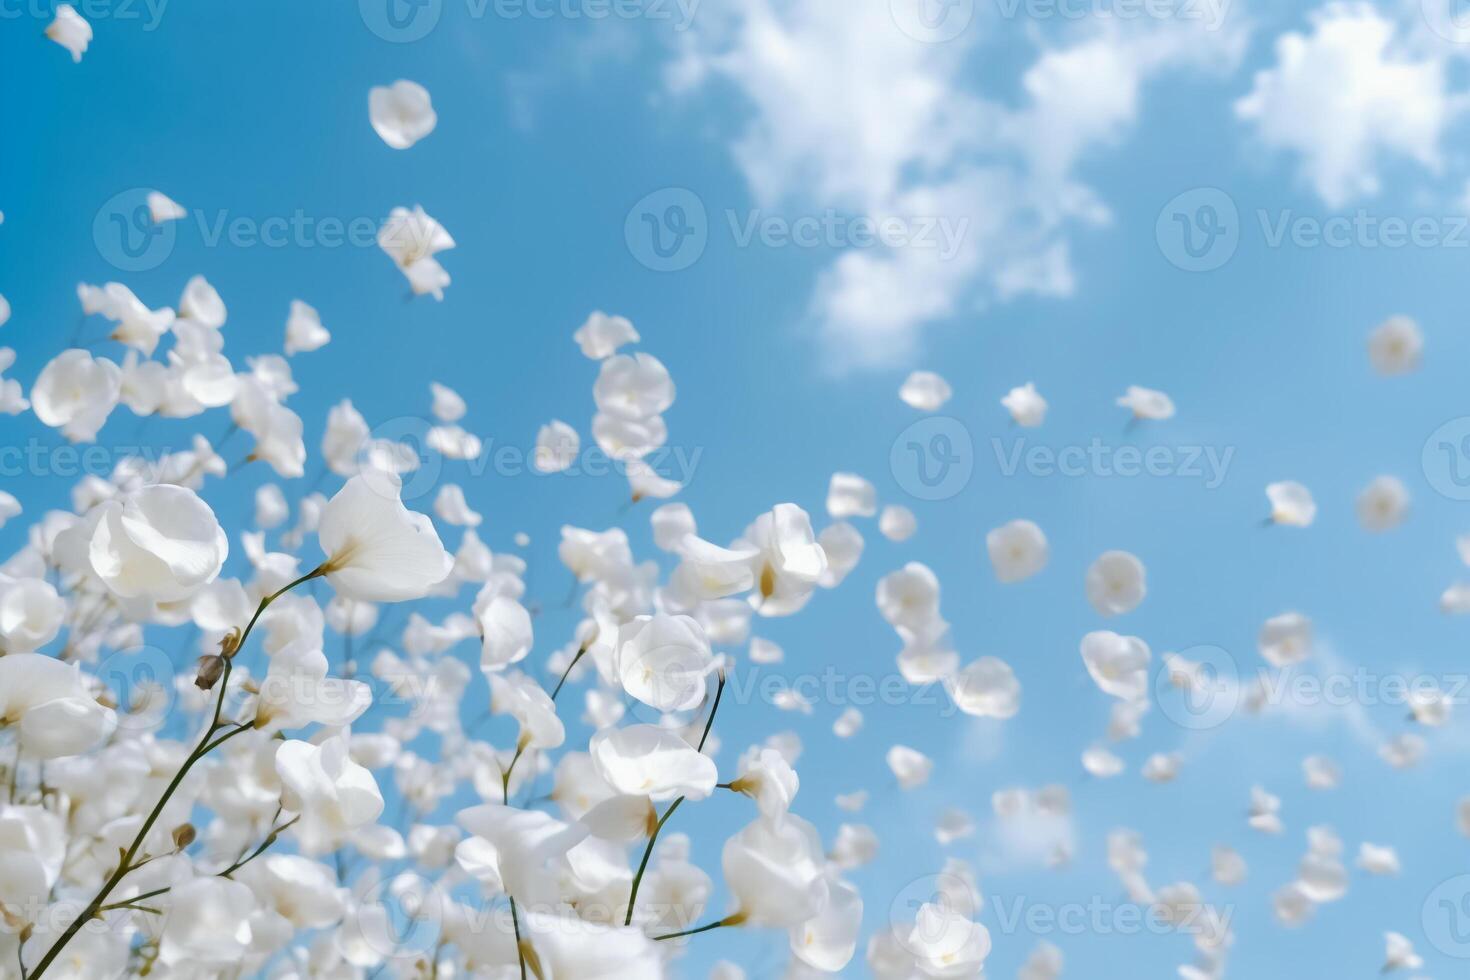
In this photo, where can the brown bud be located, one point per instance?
(184, 835)
(211, 666)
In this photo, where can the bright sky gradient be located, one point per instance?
(1059, 143)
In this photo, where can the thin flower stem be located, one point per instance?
(581, 652)
(206, 743)
(653, 837)
(720, 923)
(515, 923)
(647, 853)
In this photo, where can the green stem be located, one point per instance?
(653, 837)
(728, 921)
(125, 865)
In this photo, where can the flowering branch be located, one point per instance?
(207, 743)
(653, 837)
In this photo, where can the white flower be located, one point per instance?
(506, 633)
(447, 406)
(1017, 550)
(55, 713)
(297, 692)
(711, 572)
(827, 941)
(509, 848)
(378, 550)
(1286, 639)
(304, 330)
(910, 766)
(1320, 772)
(334, 795)
(277, 429)
(1116, 583)
(664, 661)
(645, 760)
(766, 777)
(1027, 407)
(945, 943)
(513, 693)
(1118, 664)
(788, 562)
(76, 392)
(557, 445)
(909, 597)
(163, 208)
(1227, 866)
(986, 688)
(848, 724)
(1377, 860)
(633, 387)
(346, 435)
(412, 239)
(1145, 403)
(137, 325)
(1394, 346)
(953, 824)
(31, 613)
(1399, 953)
(1100, 762)
(401, 113)
(1383, 503)
(207, 925)
(1291, 504)
(925, 391)
(897, 523)
(33, 845)
(12, 396)
(4, 311)
(573, 947)
(200, 303)
(849, 495)
(774, 871)
(160, 543)
(70, 31)
(602, 335)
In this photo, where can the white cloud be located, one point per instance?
(1345, 96)
(846, 111)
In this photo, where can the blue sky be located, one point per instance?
(552, 129)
